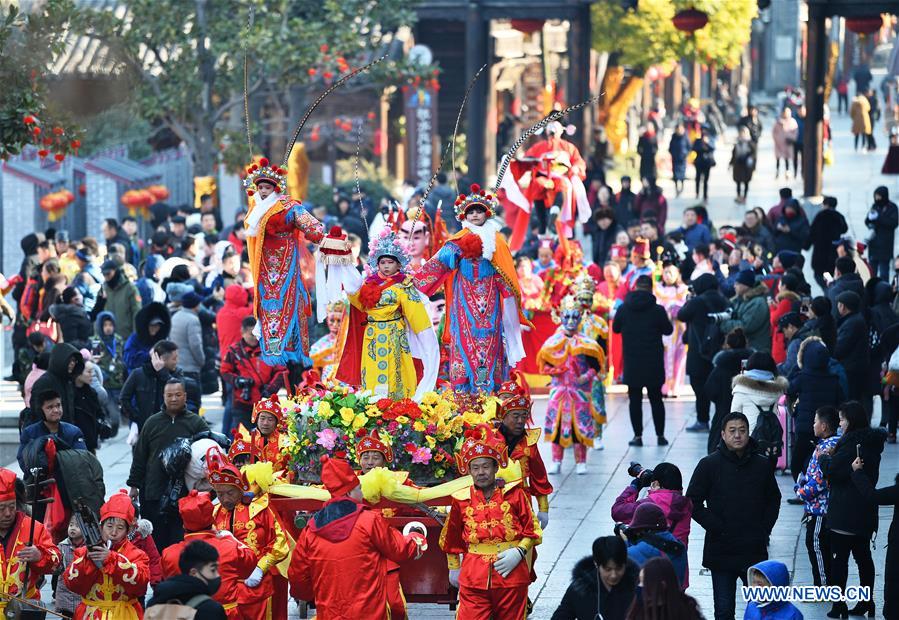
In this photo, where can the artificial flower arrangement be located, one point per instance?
(424, 436)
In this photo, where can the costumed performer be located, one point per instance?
(641, 265)
(269, 437)
(19, 560)
(483, 297)
(594, 327)
(345, 544)
(671, 293)
(325, 352)
(277, 228)
(389, 327)
(493, 529)
(573, 361)
(112, 578)
(236, 560)
(253, 522)
(609, 295)
(422, 235)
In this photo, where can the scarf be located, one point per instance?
(258, 212)
(760, 375)
(487, 234)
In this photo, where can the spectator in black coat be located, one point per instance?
(73, 320)
(706, 299)
(882, 220)
(602, 585)
(152, 324)
(880, 317)
(736, 500)
(88, 410)
(624, 202)
(851, 517)
(66, 363)
(889, 415)
(642, 323)
(820, 321)
(888, 496)
(827, 227)
(791, 229)
(812, 387)
(604, 233)
(851, 349)
(845, 279)
(726, 365)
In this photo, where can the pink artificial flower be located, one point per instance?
(326, 438)
(422, 456)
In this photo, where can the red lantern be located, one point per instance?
(59, 157)
(690, 20)
(159, 192)
(866, 24)
(527, 26)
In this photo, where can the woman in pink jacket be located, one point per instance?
(665, 485)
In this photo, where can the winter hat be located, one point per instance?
(196, 511)
(849, 299)
(62, 236)
(7, 485)
(648, 516)
(177, 290)
(788, 258)
(790, 318)
(746, 277)
(118, 505)
(338, 476)
(191, 300)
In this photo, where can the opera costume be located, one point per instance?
(421, 234)
(236, 560)
(573, 361)
(594, 327)
(270, 447)
(483, 297)
(13, 570)
(262, 596)
(609, 296)
(671, 293)
(344, 552)
(113, 590)
(493, 529)
(325, 352)
(641, 265)
(278, 227)
(389, 327)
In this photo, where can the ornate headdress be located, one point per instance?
(268, 405)
(568, 306)
(482, 442)
(387, 244)
(242, 444)
(262, 171)
(338, 305)
(373, 443)
(515, 386)
(222, 471)
(584, 285)
(520, 402)
(476, 197)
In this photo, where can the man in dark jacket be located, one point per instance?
(882, 220)
(706, 299)
(148, 478)
(602, 586)
(827, 227)
(152, 324)
(51, 423)
(851, 349)
(72, 317)
(845, 279)
(194, 587)
(642, 323)
(624, 202)
(749, 311)
(66, 363)
(736, 500)
(120, 296)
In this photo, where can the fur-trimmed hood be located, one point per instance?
(813, 354)
(759, 290)
(748, 385)
(785, 294)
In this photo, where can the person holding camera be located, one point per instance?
(647, 537)
(252, 379)
(665, 486)
(602, 585)
(736, 500)
(727, 364)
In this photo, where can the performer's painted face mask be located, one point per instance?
(571, 319)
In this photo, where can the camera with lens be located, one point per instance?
(619, 528)
(245, 385)
(642, 475)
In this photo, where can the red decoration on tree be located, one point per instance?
(59, 157)
(36, 131)
(866, 24)
(43, 153)
(58, 131)
(690, 20)
(327, 75)
(28, 120)
(323, 48)
(371, 116)
(312, 71)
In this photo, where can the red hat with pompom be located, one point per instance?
(196, 511)
(338, 476)
(7, 485)
(476, 197)
(118, 505)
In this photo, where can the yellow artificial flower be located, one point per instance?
(372, 411)
(402, 419)
(418, 426)
(430, 441)
(430, 398)
(386, 438)
(359, 421)
(347, 415)
(324, 410)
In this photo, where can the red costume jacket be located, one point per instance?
(113, 589)
(12, 571)
(268, 449)
(533, 470)
(236, 562)
(346, 547)
(481, 528)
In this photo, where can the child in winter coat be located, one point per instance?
(770, 573)
(142, 538)
(65, 600)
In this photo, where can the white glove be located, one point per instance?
(507, 561)
(255, 578)
(454, 577)
(224, 534)
(543, 518)
(132, 435)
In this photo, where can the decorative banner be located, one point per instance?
(421, 126)
(202, 186)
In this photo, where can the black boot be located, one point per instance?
(863, 608)
(838, 610)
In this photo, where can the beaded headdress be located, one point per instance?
(475, 197)
(387, 244)
(263, 171)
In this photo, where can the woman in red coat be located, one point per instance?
(786, 300)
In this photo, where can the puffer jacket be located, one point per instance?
(112, 353)
(814, 385)
(787, 301)
(659, 545)
(584, 595)
(58, 379)
(753, 395)
(694, 313)
(123, 300)
(750, 312)
(812, 487)
(187, 333)
(237, 307)
(849, 510)
(74, 323)
(777, 575)
(138, 345)
(851, 349)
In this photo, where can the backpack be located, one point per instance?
(710, 341)
(768, 433)
(176, 611)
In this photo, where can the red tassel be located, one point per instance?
(369, 295)
(470, 245)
